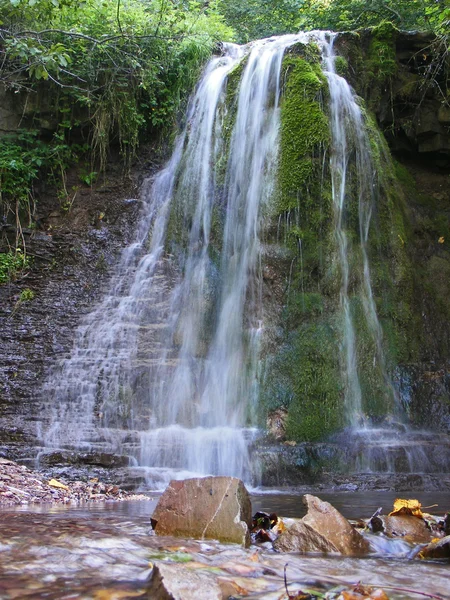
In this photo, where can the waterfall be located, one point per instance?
(164, 368)
(350, 142)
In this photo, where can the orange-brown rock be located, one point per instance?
(209, 507)
(406, 526)
(300, 537)
(325, 520)
(439, 549)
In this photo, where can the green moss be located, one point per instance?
(168, 556)
(304, 129)
(312, 368)
(341, 66)
(376, 391)
(381, 63)
(304, 305)
(26, 295)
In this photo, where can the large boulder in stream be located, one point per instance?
(300, 537)
(322, 529)
(329, 523)
(208, 507)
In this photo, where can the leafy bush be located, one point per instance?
(111, 71)
(11, 263)
(128, 64)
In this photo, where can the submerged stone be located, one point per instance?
(407, 526)
(439, 549)
(170, 582)
(209, 507)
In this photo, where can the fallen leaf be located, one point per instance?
(57, 484)
(230, 587)
(363, 592)
(407, 507)
(379, 595)
(279, 527)
(116, 594)
(441, 240)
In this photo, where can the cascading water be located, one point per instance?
(185, 358)
(350, 141)
(165, 369)
(392, 447)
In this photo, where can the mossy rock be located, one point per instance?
(380, 64)
(304, 376)
(304, 128)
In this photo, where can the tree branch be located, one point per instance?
(118, 17)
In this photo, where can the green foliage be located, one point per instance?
(26, 295)
(11, 264)
(381, 62)
(125, 67)
(254, 19)
(111, 71)
(24, 158)
(346, 15)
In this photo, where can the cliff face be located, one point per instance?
(403, 79)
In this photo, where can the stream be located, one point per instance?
(106, 552)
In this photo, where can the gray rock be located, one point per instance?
(210, 507)
(175, 582)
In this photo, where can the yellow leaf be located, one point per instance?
(279, 527)
(407, 507)
(441, 240)
(57, 484)
(115, 594)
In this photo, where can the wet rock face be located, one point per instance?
(300, 537)
(407, 526)
(100, 459)
(329, 523)
(169, 582)
(201, 508)
(276, 423)
(71, 257)
(407, 98)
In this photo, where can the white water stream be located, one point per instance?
(182, 347)
(164, 369)
(350, 142)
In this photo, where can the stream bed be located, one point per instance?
(106, 552)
